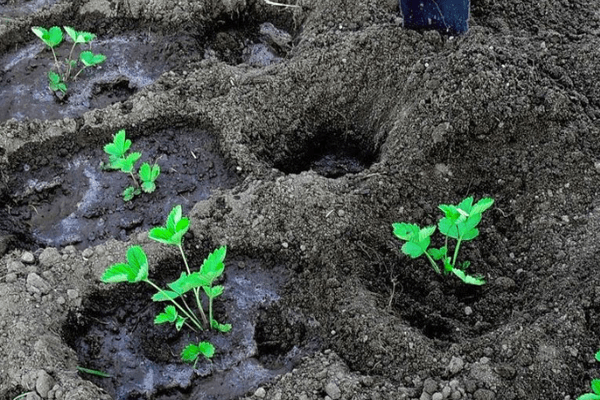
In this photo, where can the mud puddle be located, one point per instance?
(77, 202)
(116, 335)
(133, 62)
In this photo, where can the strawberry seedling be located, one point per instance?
(52, 38)
(178, 313)
(459, 223)
(595, 387)
(119, 159)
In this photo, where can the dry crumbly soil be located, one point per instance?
(510, 110)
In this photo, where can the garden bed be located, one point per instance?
(296, 137)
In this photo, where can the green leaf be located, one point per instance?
(55, 82)
(214, 291)
(179, 323)
(79, 37)
(466, 205)
(186, 282)
(127, 164)
(482, 205)
(119, 146)
(450, 211)
(129, 193)
(438, 254)
(148, 187)
(589, 396)
(118, 273)
(148, 175)
(448, 227)
(174, 230)
(213, 266)
(165, 295)
(173, 218)
(405, 231)
(224, 328)
(51, 38)
(596, 386)
(160, 234)
(426, 232)
(138, 260)
(90, 59)
(412, 249)
(135, 270)
(597, 356)
(192, 351)
(467, 227)
(471, 280)
(94, 372)
(169, 315)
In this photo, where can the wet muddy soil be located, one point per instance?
(296, 136)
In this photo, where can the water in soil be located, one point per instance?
(77, 202)
(118, 337)
(133, 61)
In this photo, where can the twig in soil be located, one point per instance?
(22, 395)
(272, 3)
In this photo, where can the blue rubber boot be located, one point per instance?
(445, 16)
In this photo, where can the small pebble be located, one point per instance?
(333, 391)
(260, 393)
(27, 258)
(87, 253)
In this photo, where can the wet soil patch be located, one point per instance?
(133, 61)
(77, 202)
(115, 333)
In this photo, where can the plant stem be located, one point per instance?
(56, 62)
(69, 62)
(456, 251)
(183, 310)
(77, 74)
(130, 173)
(433, 263)
(196, 290)
(210, 310)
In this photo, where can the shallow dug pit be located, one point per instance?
(114, 333)
(133, 61)
(330, 154)
(76, 201)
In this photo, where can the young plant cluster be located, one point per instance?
(189, 284)
(595, 386)
(460, 223)
(119, 159)
(64, 71)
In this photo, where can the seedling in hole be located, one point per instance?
(178, 313)
(459, 223)
(52, 38)
(119, 159)
(595, 386)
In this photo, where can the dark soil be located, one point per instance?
(296, 137)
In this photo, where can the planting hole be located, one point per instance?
(77, 202)
(329, 155)
(133, 61)
(115, 334)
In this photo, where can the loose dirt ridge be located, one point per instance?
(511, 111)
